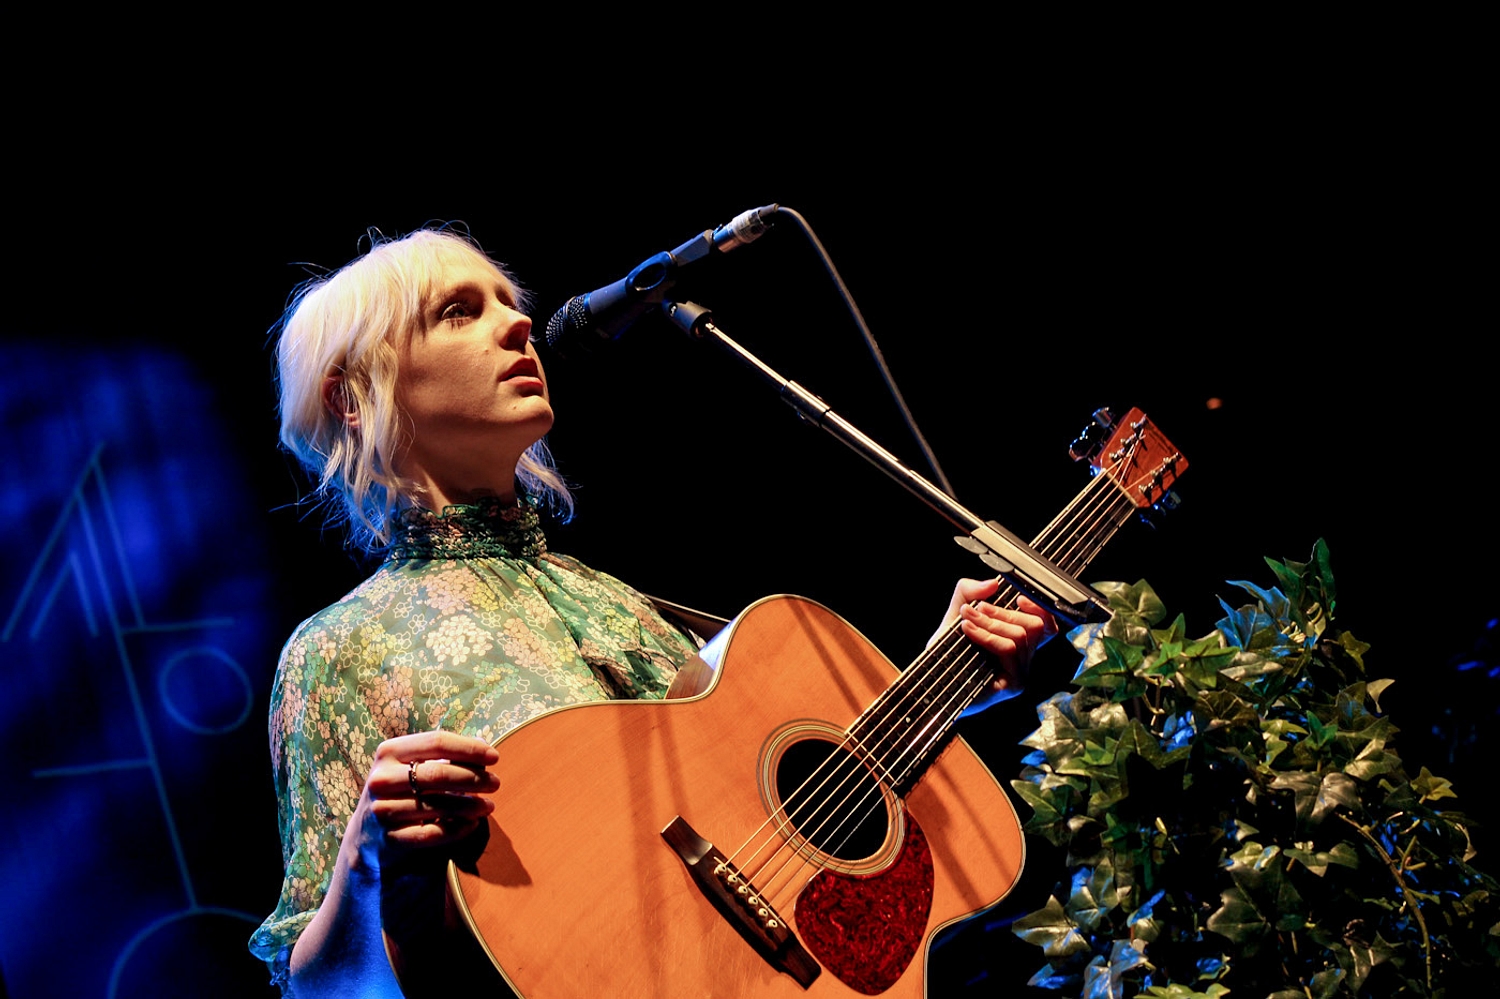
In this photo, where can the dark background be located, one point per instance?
(1309, 261)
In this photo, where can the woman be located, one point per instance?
(410, 387)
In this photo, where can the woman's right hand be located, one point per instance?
(424, 790)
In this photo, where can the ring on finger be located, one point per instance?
(411, 778)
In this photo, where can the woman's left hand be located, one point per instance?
(1010, 637)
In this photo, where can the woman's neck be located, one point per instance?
(435, 494)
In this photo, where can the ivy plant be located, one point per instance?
(1236, 819)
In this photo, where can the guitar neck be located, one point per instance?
(1079, 532)
(906, 728)
(909, 724)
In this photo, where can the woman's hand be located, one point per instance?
(1009, 637)
(424, 790)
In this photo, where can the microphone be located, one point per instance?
(600, 316)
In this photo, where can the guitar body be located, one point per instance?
(578, 894)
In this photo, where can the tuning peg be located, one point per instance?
(1153, 513)
(1092, 437)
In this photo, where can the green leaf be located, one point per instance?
(1316, 797)
(1107, 717)
(1174, 634)
(1099, 757)
(1093, 896)
(1320, 735)
(1050, 929)
(1114, 668)
(1222, 709)
(1240, 830)
(1366, 959)
(1119, 657)
(1289, 577)
(1107, 789)
(1043, 811)
(1310, 603)
(1253, 855)
(1139, 741)
(1371, 762)
(1273, 602)
(1244, 666)
(1356, 650)
(1260, 875)
(1175, 991)
(1323, 570)
(1104, 978)
(1432, 788)
(1342, 854)
(1137, 600)
(1237, 919)
(1325, 984)
(1057, 736)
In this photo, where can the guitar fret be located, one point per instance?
(930, 694)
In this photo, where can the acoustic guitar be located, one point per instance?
(804, 823)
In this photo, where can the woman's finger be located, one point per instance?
(436, 832)
(408, 765)
(424, 809)
(445, 775)
(437, 745)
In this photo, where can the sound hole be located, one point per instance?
(831, 800)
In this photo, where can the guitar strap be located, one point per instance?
(695, 624)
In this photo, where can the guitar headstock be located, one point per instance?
(1135, 455)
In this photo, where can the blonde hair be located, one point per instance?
(354, 324)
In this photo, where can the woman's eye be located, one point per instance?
(456, 311)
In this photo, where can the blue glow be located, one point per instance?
(136, 592)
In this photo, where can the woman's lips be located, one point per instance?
(523, 369)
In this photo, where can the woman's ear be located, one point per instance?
(337, 401)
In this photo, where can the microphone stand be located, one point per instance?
(1002, 551)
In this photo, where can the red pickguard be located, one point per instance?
(866, 928)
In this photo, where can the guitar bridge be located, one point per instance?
(740, 903)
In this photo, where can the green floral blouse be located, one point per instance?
(470, 625)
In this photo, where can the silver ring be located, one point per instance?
(411, 778)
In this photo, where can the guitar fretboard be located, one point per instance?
(910, 724)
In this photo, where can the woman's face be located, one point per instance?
(471, 387)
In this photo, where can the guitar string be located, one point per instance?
(1067, 531)
(878, 720)
(1075, 556)
(969, 673)
(1095, 538)
(962, 683)
(1097, 534)
(966, 677)
(965, 680)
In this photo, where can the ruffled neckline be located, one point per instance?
(490, 528)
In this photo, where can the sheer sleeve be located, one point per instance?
(321, 751)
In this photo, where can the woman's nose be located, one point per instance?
(515, 330)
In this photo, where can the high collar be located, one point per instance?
(489, 528)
